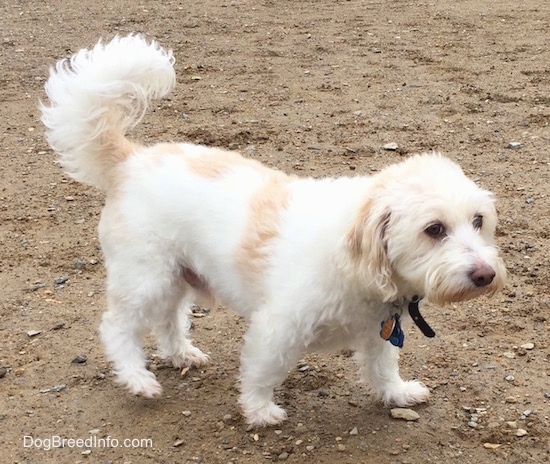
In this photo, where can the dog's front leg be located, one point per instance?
(271, 348)
(379, 367)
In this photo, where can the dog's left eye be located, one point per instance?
(478, 221)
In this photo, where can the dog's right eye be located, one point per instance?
(436, 230)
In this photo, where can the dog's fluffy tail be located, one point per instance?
(97, 96)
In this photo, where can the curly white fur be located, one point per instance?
(312, 264)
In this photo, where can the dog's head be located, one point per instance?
(426, 229)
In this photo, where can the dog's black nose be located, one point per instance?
(482, 275)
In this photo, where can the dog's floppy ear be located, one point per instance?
(368, 248)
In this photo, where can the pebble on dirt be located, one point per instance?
(405, 414)
(392, 146)
(61, 280)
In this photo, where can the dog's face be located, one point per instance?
(429, 230)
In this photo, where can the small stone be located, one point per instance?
(300, 429)
(58, 388)
(514, 145)
(178, 443)
(283, 456)
(58, 326)
(547, 395)
(528, 346)
(33, 333)
(510, 399)
(509, 378)
(354, 431)
(61, 280)
(341, 448)
(310, 448)
(184, 371)
(3, 372)
(521, 432)
(19, 371)
(405, 414)
(186, 413)
(491, 445)
(80, 359)
(472, 424)
(86, 452)
(512, 424)
(227, 418)
(392, 146)
(527, 412)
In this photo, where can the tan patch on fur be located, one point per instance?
(117, 148)
(208, 162)
(263, 224)
(215, 162)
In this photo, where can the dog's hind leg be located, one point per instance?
(121, 332)
(172, 332)
(140, 293)
(379, 367)
(271, 349)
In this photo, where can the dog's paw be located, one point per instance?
(191, 357)
(406, 393)
(142, 384)
(270, 414)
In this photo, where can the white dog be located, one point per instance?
(311, 264)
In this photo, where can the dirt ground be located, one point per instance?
(315, 87)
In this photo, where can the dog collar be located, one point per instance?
(420, 322)
(390, 329)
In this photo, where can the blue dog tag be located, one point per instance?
(396, 337)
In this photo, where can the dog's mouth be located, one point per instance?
(464, 294)
(442, 291)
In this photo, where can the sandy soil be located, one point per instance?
(316, 88)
